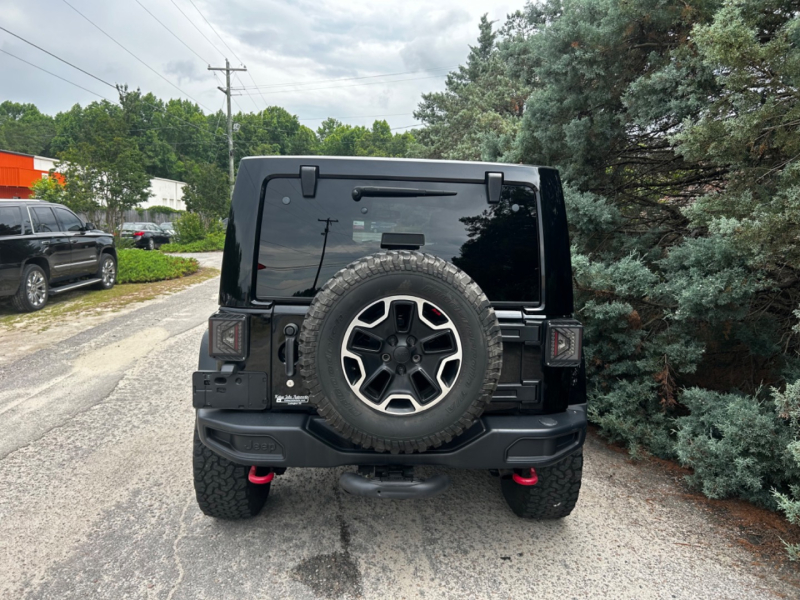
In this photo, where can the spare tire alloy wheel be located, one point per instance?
(401, 355)
(400, 351)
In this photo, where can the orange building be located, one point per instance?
(19, 171)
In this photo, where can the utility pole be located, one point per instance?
(227, 91)
(324, 244)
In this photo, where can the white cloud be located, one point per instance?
(301, 43)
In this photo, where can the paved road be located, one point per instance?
(96, 501)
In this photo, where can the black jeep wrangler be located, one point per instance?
(387, 313)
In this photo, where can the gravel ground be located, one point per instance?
(96, 501)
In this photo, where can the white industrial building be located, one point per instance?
(165, 192)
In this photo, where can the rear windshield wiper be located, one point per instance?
(394, 192)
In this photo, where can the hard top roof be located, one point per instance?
(255, 168)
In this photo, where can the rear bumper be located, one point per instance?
(137, 243)
(272, 439)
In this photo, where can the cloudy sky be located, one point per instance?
(353, 59)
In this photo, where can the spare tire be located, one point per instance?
(400, 351)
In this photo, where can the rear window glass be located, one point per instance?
(497, 245)
(43, 219)
(10, 220)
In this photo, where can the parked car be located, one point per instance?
(144, 235)
(387, 314)
(46, 249)
(169, 229)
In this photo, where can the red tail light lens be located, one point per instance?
(228, 337)
(138, 233)
(564, 343)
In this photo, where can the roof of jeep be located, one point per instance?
(258, 168)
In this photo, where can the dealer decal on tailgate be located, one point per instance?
(291, 399)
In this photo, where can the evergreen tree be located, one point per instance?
(675, 127)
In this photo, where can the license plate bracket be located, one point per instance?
(237, 391)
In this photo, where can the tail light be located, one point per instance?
(227, 337)
(564, 342)
(138, 233)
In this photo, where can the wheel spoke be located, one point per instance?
(425, 388)
(362, 340)
(403, 315)
(440, 343)
(376, 386)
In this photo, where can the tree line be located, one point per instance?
(110, 151)
(676, 128)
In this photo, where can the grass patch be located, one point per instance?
(140, 266)
(85, 301)
(210, 243)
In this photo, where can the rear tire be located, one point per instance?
(33, 291)
(151, 245)
(554, 496)
(222, 487)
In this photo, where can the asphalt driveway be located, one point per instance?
(96, 501)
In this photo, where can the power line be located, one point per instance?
(356, 117)
(54, 75)
(248, 95)
(355, 78)
(58, 58)
(266, 104)
(172, 32)
(213, 45)
(215, 31)
(341, 87)
(163, 110)
(101, 30)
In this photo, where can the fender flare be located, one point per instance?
(206, 362)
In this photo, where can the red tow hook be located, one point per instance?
(260, 479)
(532, 480)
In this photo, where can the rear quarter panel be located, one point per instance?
(14, 252)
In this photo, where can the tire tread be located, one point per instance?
(222, 487)
(554, 496)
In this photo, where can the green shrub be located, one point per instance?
(737, 445)
(140, 266)
(157, 210)
(787, 404)
(211, 243)
(190, 228)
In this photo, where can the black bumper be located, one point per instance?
(272, 439)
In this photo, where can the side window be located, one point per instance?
(44, 221)
(10, 220)
(68, 220)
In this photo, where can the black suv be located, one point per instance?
(386, 314)
(46, 249)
